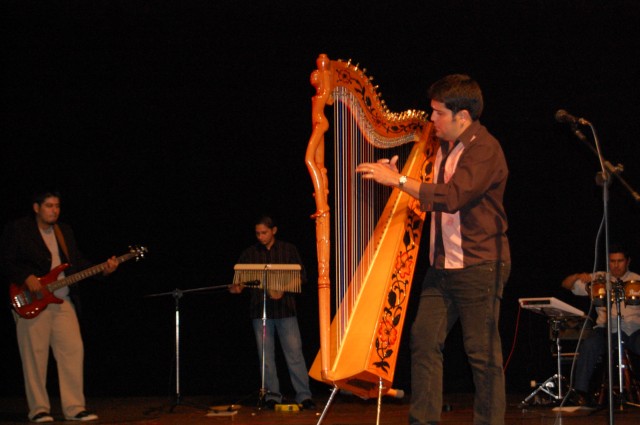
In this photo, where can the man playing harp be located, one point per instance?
(469, 251)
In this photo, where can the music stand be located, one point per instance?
(278, 277)
(556, 311)
(177, 294)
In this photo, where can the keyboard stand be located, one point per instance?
(553, 385)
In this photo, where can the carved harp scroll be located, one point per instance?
(375, 247)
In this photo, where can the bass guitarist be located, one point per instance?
(30, 248)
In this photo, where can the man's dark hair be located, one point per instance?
(617, 248)
(458, 92)
(41, 195)
(267, 221)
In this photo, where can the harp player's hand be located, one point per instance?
(385, 171)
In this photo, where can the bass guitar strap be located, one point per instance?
(61, 242)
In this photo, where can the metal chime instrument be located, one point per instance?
(276, 277)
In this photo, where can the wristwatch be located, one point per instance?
(402, 180)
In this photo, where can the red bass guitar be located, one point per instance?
(29, 304)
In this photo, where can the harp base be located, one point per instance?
(365, 384)
(335, 391)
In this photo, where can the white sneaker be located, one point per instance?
(84, 416)
(42, 417)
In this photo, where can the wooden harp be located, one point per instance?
(376, 246)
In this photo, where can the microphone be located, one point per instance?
(563, 116)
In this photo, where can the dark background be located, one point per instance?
(174, 124)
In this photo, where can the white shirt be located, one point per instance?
(630, 314)
(52, 243)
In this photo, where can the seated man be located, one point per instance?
(593, 347)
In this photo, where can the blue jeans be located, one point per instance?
(473, 295)
(290, 341)
(592, 350)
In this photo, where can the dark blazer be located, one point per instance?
(23, 251)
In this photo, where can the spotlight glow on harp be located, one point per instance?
(376, 231)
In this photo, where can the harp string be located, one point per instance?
(376, 257)
(358, 202)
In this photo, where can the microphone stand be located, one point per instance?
(177, 295)
(619, 295)
(264, 391)
(603, 178)
(262, 401)
(604, 164)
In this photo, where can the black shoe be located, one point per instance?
(578, 398)
(308, 404)
(270, 404)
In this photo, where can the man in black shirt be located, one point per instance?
(280, 316)
(469, 251)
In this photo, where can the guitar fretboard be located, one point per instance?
(91, 271)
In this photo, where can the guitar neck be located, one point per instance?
(91, 271)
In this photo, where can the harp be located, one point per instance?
(376, 247)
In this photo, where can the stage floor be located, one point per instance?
(344, 410)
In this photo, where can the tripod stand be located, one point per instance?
(177, 295)
(557, 312)
(553, 385)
